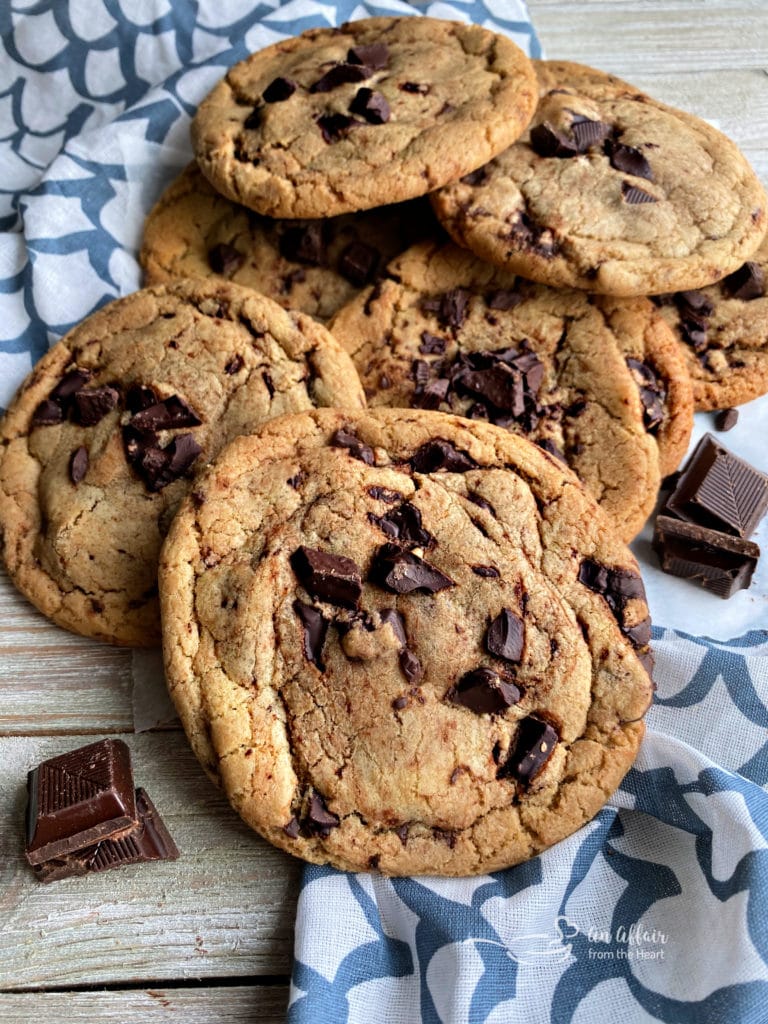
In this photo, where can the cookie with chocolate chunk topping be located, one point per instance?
(597, 382)
(364, 696)
(610, 191)
(436, 100)
(102, 439)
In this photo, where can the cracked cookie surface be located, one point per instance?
(100, 443)
(723, 334)
(610, 191)
(315, 266)
(374, 112)
(403, 641)
(597, 381)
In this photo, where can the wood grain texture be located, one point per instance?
(224, 909)
(245, 1004)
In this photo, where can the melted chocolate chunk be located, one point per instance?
(358, 263)
(505, 636)
(291, 828)
(315, 630)
(695, 309)
(234, 365)
(335, 126)
(332, 578)
(319, 819)
(524, 233)
(503, 298)
(340, 74)
(356, 448)
(617, 586)
(385, 494)
(78, 464)
(71, 382)
(484, 692)
(549, 446)
(746, 283)
(158, 467)
(475, 177)
(251, 123)
(634, 196)
(402, 572)
(548, 141)
(452, 311)
(486, 571)
(533, 747)
(392, 618)
(404, 525)
(278, 90)
(225, 259)
(629, 160)
(370, 105)
(652, 393)
(374, 55)
(304, 244)
(139, 397)
(92, 404)
(410, 666)
(441, 454)
(169, 414)
(419, 88)
(431, 344)
(47, 414)
(431, 394)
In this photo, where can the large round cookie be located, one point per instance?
(100, 443)
(723, 332)
(404, 641)
(610, 191)
(374, 112)
(315, 266)
(598, 380)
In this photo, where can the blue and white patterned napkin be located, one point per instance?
(657, 910)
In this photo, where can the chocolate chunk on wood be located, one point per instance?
(79, 798)
(533, 747)
(505, 636)
(148, 841)
(483, 691)
(402, 572)
(717, 561)
(719, 490)
(332, 578)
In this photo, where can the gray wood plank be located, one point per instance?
(224, 909)
(217, 1005)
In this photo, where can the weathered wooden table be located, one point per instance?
(209, 937)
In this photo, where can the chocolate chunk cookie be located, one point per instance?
(315, 266)
(404, 641)
(377, 111)
(595, 381)
(100, 443)
(724, 334)
(610, 191)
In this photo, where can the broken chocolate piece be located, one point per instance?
(503, 298)
(483, 691)
(402, 572)
(533, 747)
(358, 263)
(169, 414)
(618, 587)
(79, 798)
(315, 630)
(340, 74)
(71, 382)
(304, 244)
(629, 160)
(149, 840)
(404, 525)
(47, 414)
(652, 393)
(78, 464)
(92, 404)
(505, 636)
(374, 55)
(411, 666)
(396, 622)
(319, 819)
(291, 828)
(726, 419)
(588, 133)
(441, 454)
(716, 561)
(431, 344)
(139, 397)
(719, 490)
(332, 578)
(234, 365)
(278, 90)
(548, 141)
(746, 283)
(371, 105)
(225, 259)
(634, 196)
(357, 449)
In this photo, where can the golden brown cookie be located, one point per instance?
(610, 191)
(101, 441)
(315, 266)
(597, 381)
(374, 112)
(723, 331)
(404, 641)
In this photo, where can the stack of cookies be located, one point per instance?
(408, 637)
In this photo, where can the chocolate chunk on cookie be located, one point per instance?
(365, 697)
(103, 438)
(598, 382)
(651, 200)
(353, 134)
